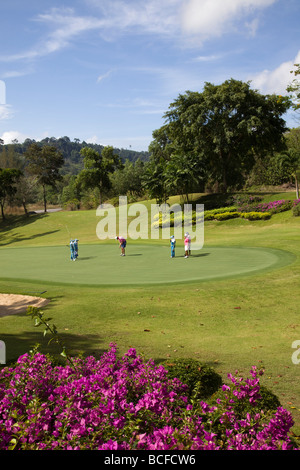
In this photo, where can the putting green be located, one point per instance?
(102, 265)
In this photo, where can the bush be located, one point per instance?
(226, 216)
(72, 205)
(202, 380)
(266, 401)
(128, 403)
(273, 207)
(255, 215)
(296, 208)
(243, 199)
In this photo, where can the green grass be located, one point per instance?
(143, 265)
(231, 323)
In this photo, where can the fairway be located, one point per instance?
(102, 265)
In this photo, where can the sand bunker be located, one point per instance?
(12, 304)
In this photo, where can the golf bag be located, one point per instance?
(74, 249)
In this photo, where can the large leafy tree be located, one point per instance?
(97, 169)
(44, 163)
(9, 177)
(224, 128)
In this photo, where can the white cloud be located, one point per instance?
(116, 18)
(103, 76)
(65, 27)
(9, 136)
(277, 80)
(207, 58)
(153, 16)
(212, 18)
(170, 18)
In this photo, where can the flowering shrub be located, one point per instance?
(296, 208)
(128, 403)
(272, 207)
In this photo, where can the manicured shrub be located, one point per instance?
(221, 210)
(226, 216)
(255, 215)
(202, 380)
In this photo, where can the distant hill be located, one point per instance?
(71, 151)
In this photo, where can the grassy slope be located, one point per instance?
(230, 324)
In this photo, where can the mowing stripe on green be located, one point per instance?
(102, 265)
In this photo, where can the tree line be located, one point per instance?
(222, 139)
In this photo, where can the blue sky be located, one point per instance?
(105, 71)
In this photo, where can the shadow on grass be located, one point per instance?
(19, 344)
(22, 343)
(199, 255)
(9, 225)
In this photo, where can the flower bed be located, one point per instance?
(129, 403)
(273, 207)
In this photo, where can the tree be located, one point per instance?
(44, 162)
(26, 192)
(97, 168)
(294, 88)
(128, 179)
(224, 127)
(182, 174)
(154, 180)
(71, 192)
(293, 155)
(8, 180)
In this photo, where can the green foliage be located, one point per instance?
(224, 128)
(294, 88)
(255, 215)
(241, 199)
(44, 162)
(267, 401)
(128, 180)
(72, 204)
(38, 316)
(296, 209)
(220, 214)
(9, 177)
(226, 216)
(202, 380)
(220, 210)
